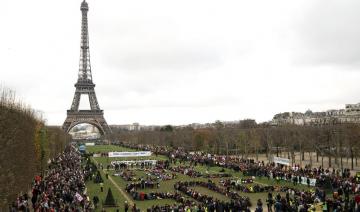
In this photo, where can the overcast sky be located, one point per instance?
(178, 62)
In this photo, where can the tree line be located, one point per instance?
(26, 144)
(247, 138)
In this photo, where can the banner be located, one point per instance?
(283, 161)
(79, 197)
(89, 144)
(129, 154)
(304, 181)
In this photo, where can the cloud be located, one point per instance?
(160, 62)
(168, 58)
(156, 44)
(330, 34)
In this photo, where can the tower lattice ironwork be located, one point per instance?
(85, 86)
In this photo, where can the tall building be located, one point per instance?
(351, 114)
(85, 86)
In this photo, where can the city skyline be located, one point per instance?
(190, 62)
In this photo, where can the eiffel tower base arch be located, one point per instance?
(93, 117)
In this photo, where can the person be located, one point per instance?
(134, 209)
(101, 187)
(288, 195)
(126, 206)
(259, 206)
(269, 202)
(96, 200)
(295, 180)
(278, 206)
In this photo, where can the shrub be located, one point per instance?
(110, 201)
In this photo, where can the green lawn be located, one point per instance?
(93, 189)
(107, 148)
(165, 186)
(264, 180)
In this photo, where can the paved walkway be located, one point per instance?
(118, 188)
(121, 191)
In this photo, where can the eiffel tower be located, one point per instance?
(85, 85)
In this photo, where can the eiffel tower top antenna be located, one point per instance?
(85, 75)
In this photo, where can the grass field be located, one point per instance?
(117, 184)
(107, 148)
(94, 190)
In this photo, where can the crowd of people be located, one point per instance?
(160, 173)
(142, 196)
(142, 184)
(241, 185)
(237, 203)
(134, 164)
(341, 182)
(127, 175)
(62, 188)
(186, 170)
(153, 175)
(323, 177)
(191, 172)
